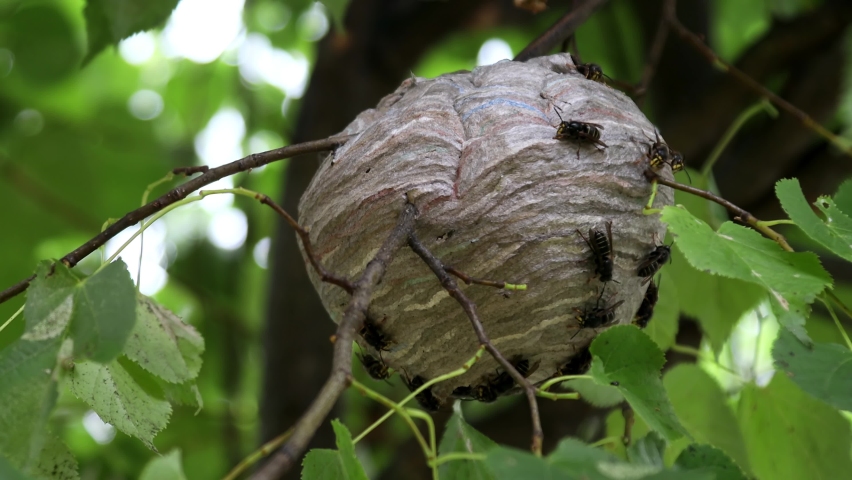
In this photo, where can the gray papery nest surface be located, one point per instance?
(499, 198)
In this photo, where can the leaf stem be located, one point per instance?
(7, 322)
(837, 322)
(430, 426)
(742, 118)
(455, 373)
(255, 456)
(396, 407)
(687, 350)
(554, 381)
(772, 223)
(649, 207)
(606, 441)
(449, 457)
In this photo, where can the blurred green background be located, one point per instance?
(79, 144)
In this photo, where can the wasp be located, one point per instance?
(591, 71)
(677, 164)
(583, 132)
(646, 309)
(375, 367)
(425, 398)
(659, 154)
(496, 385)
(654, 262)
(597, 316)
(373, 334)
(601, 246)
(577, 365)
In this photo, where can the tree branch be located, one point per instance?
(180, 192)
(561, 30)
(740, 214)
(753, 85)
(470, 309)
(341, 369)
(656, 48)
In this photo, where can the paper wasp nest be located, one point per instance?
(498, 198)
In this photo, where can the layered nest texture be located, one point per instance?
(498, 198)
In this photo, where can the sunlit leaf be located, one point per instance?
(54, 462)
(704, 458)
(167, 467)
(113, 394)
(109, 21)
(702, 408)
(593, 393)
(629, 360)
(163, 344)
(832, 232)
(104, 313)
(461, 437)
(791, 435)
(792, 279)
(823, 370)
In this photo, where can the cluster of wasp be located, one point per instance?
(659, 153)
(601, 245)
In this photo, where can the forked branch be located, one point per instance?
(470, 309)
(341, 366)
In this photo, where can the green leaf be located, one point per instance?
(461, 437)
(54, 462)
(28, 393)
(824, 370)
(702, 408)
(109, 21)
(593, 393)
(50, 301)
(167, 467)
(186, 394)
(631, 359)
(648, 450)
(104, 313)
(510, 464)
(792, 279)
(119, 400)
(833, 232)
(9, 472)
(663, 326)
(163, 344)
(791, 435)
(322, 464)
(704, 458)
(843, 197)
(716, 302)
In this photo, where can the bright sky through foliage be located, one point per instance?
(492, 51)
(200, 31)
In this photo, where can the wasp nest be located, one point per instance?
(499, 197)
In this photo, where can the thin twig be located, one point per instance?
(761, 106)
(470, 309)
(479, 281)
(656, 49)
(258, 454)
(837, 323)
(341, 366)
(739, 214)
(187, 171)
(750, 83)
(560, 31)
(181, 191)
